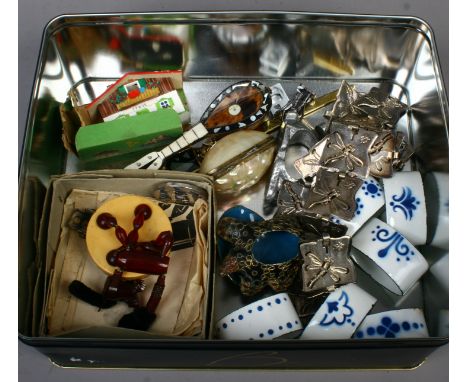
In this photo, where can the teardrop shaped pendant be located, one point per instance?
(241, 105)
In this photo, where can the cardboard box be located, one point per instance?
(120, 141)
(139, 182)
(127, 135)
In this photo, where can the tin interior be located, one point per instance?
(88, 53)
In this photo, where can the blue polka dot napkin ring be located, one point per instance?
(403, 323)
(265, 319)
(340, 315)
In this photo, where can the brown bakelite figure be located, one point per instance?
(148, 257)
(117, 289)
(141, 257)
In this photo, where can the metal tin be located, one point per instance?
(397, 54)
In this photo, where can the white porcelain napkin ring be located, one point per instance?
(440, 270)
(265, 319)
(387, 256)
(403, 323)
(406, 205)
(438, 183)
(340, 315)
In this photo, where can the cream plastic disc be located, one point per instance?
(101, 241)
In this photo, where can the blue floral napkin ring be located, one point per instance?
(340, 315)
(403, 323)
(406, 205)
(388, 257)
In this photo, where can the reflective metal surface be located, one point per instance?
(395, 54)
(84, 54)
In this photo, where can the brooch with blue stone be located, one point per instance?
(263, 253)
